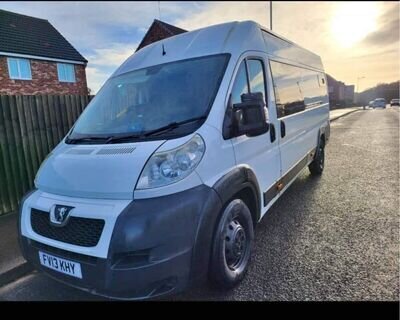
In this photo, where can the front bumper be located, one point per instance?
(158, 246)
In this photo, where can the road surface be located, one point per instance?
(329, 238)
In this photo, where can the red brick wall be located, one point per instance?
(154, 34)
(44, 80)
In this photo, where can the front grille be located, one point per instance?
(83, 232)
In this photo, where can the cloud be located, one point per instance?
(299, 22)
(104, 61)
(95, 78)
(92, 23)
(309, 24)
(206, 14)
(375, 54)
(112, 56)
(106, 33)
(388, 32)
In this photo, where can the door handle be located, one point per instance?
(283, 129)
(272, 132)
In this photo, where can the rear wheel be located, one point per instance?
(317, 166)
(232, 244)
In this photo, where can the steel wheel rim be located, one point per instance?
(235, 244)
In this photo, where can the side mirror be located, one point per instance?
(249, 116)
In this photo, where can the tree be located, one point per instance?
(388, 91)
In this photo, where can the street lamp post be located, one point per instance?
(270, 15)
(358, 82)
(358, 79)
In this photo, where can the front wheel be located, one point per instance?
(232, 244)
(317, 166)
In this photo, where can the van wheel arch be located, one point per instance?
(323, 134)
(240, 183)
(248, 197)
(322, 139)
(316, 167)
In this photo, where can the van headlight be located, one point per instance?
(170, 166)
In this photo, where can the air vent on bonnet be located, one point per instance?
(80, 151)
(112, 151)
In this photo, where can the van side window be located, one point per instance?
(256, 77)
(310, 86)
(240, 85)
(287, 86)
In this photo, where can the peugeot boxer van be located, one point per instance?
(161, 181)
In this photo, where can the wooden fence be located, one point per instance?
(30, 127)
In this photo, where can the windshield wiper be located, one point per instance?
(172, 126)
(168, 127)
(86, 139)
(129, 137)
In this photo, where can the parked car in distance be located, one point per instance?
(395, 102)
(160, 183)
(371, 104)
(379, 103)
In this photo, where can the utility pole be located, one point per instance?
(270, 15)
(358, 82)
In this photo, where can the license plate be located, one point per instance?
(61, 265)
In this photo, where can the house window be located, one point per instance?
(19, 69)
(66, 72)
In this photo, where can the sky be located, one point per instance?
(357, 41)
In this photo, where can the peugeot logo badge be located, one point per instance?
(59, 215)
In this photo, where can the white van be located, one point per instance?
(162, 179)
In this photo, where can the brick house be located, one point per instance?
(36, 59)
(159, 30)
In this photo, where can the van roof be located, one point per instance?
(231, 37)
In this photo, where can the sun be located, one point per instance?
(353, 21)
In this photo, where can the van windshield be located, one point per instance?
(167, 100)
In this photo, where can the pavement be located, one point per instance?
(338, 113)
(330, 238)
(12, 264)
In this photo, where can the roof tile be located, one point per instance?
(33, 36)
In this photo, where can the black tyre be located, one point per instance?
(232, 245)
(317, 166)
